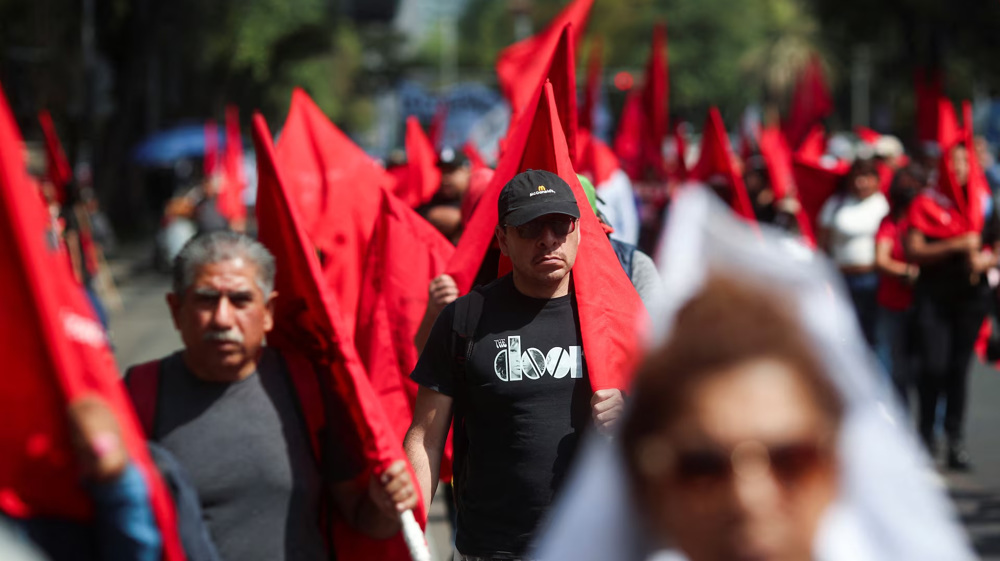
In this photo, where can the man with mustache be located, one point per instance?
(506, 361)
(226, 408)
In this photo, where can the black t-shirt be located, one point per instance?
(525, 398)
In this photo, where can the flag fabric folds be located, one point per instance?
(59, 353)
(57, 168)
(405, 253)
(422, 177)
(336, 190)
(645, 121)
(815, 178)
(309, 326)
(811, 102)
(592, 89)
(522, 66)
(717, 159)
(609, 307)
(778, 159)
(231, 204)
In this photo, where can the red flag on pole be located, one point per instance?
(928, 93)
(336, 189)
(815, 179)
(778, 159)
(522, 66)
(717, 158)
(309, 326)
(597, 161)
(422, 177)
(645, 119)
(610, 310)
(405, 254)
(231, 204)
(57, 168)
(811, 102)
(59, 355)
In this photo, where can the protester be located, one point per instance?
(895, 346)
(225, 408)
(757, 429)
(730, 445)
(123, 528)
(848, 223)
(952, 297)
(637, 265)
(505, 362)
(767, 207)
(444, 209)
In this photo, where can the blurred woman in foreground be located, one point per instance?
(758, 428)
(731, 443)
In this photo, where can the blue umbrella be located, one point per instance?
(167, 146)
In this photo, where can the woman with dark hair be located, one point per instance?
(847, 226)
(897, 276)
(954, 241)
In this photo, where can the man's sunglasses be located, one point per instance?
(560, 227)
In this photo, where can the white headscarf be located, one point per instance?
(891, 505)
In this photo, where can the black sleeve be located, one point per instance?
(434, 369)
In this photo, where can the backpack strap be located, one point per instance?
(468, 312)
(143, 384)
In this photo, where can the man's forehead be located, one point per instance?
(231, 273)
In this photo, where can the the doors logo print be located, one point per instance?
(512, 364)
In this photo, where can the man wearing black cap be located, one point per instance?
(507, 361)
(444, 211)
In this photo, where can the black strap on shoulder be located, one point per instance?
(468, 312)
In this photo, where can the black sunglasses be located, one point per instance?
(560, 227)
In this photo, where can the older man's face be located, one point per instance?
(223, 317)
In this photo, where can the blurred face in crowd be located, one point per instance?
(960, 164)
(746, 470)
(864, 184)
(542, 251)
(454, 181)
(223, 318)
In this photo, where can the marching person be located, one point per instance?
(506, 362)
(225, 408)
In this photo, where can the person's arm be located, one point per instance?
(424, 443)
(923, 252)
(823, 239)
(442, 291)
(886, 265)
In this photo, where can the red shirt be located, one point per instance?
(894, 293)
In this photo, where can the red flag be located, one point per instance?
(867, 135)
(609, 306)
(422, 176)
(231, 204)
(778, 159)
(592, 90)
(309, 325)
(522, 66)
(438, 126)
(59, 355)
(928, 93)
(336, 191)
(57, 167)
(405, 254)
(681, 142)
(597, 161)
(717, 158)
(644, 123)
(815, 179)
(811, 102)
(211, 161)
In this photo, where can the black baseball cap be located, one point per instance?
(450, 158)
(532, 194)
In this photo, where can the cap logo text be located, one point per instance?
(542, 190)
